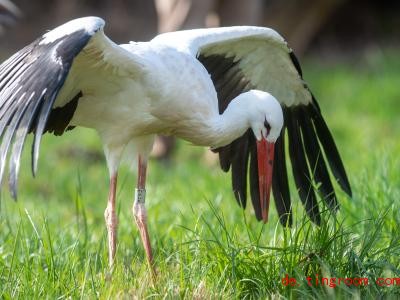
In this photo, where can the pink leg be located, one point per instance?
(139, 211)
(111, 220)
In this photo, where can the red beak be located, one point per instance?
(265, 158)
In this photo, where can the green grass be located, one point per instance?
(53, 240)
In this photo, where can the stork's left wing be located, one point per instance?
(243, 58)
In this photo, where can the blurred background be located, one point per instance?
(310, 26)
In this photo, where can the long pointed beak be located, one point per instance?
(265, 158)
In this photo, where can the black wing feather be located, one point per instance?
(44, 112)
(58, 121)
(330, 149)
(240, 158)
(296, 63)
(301, 174)
(280, 184)
(9, 132)
(254, 187)
(11, 65)
(316, 160)
(29, 84)
(20, 136)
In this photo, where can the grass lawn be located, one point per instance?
(53, 240)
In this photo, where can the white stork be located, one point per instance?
(235, 89)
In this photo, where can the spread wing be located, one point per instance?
(40, 85)
(243, 58)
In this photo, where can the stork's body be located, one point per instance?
(142, 103)
(227, 88)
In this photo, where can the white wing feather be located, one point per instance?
(263, 55)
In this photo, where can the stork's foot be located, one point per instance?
(140, 215)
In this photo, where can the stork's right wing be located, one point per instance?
(40, 85)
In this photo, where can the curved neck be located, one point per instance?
(232, 124)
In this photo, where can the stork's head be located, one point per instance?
(265, 115)
(266, 121)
